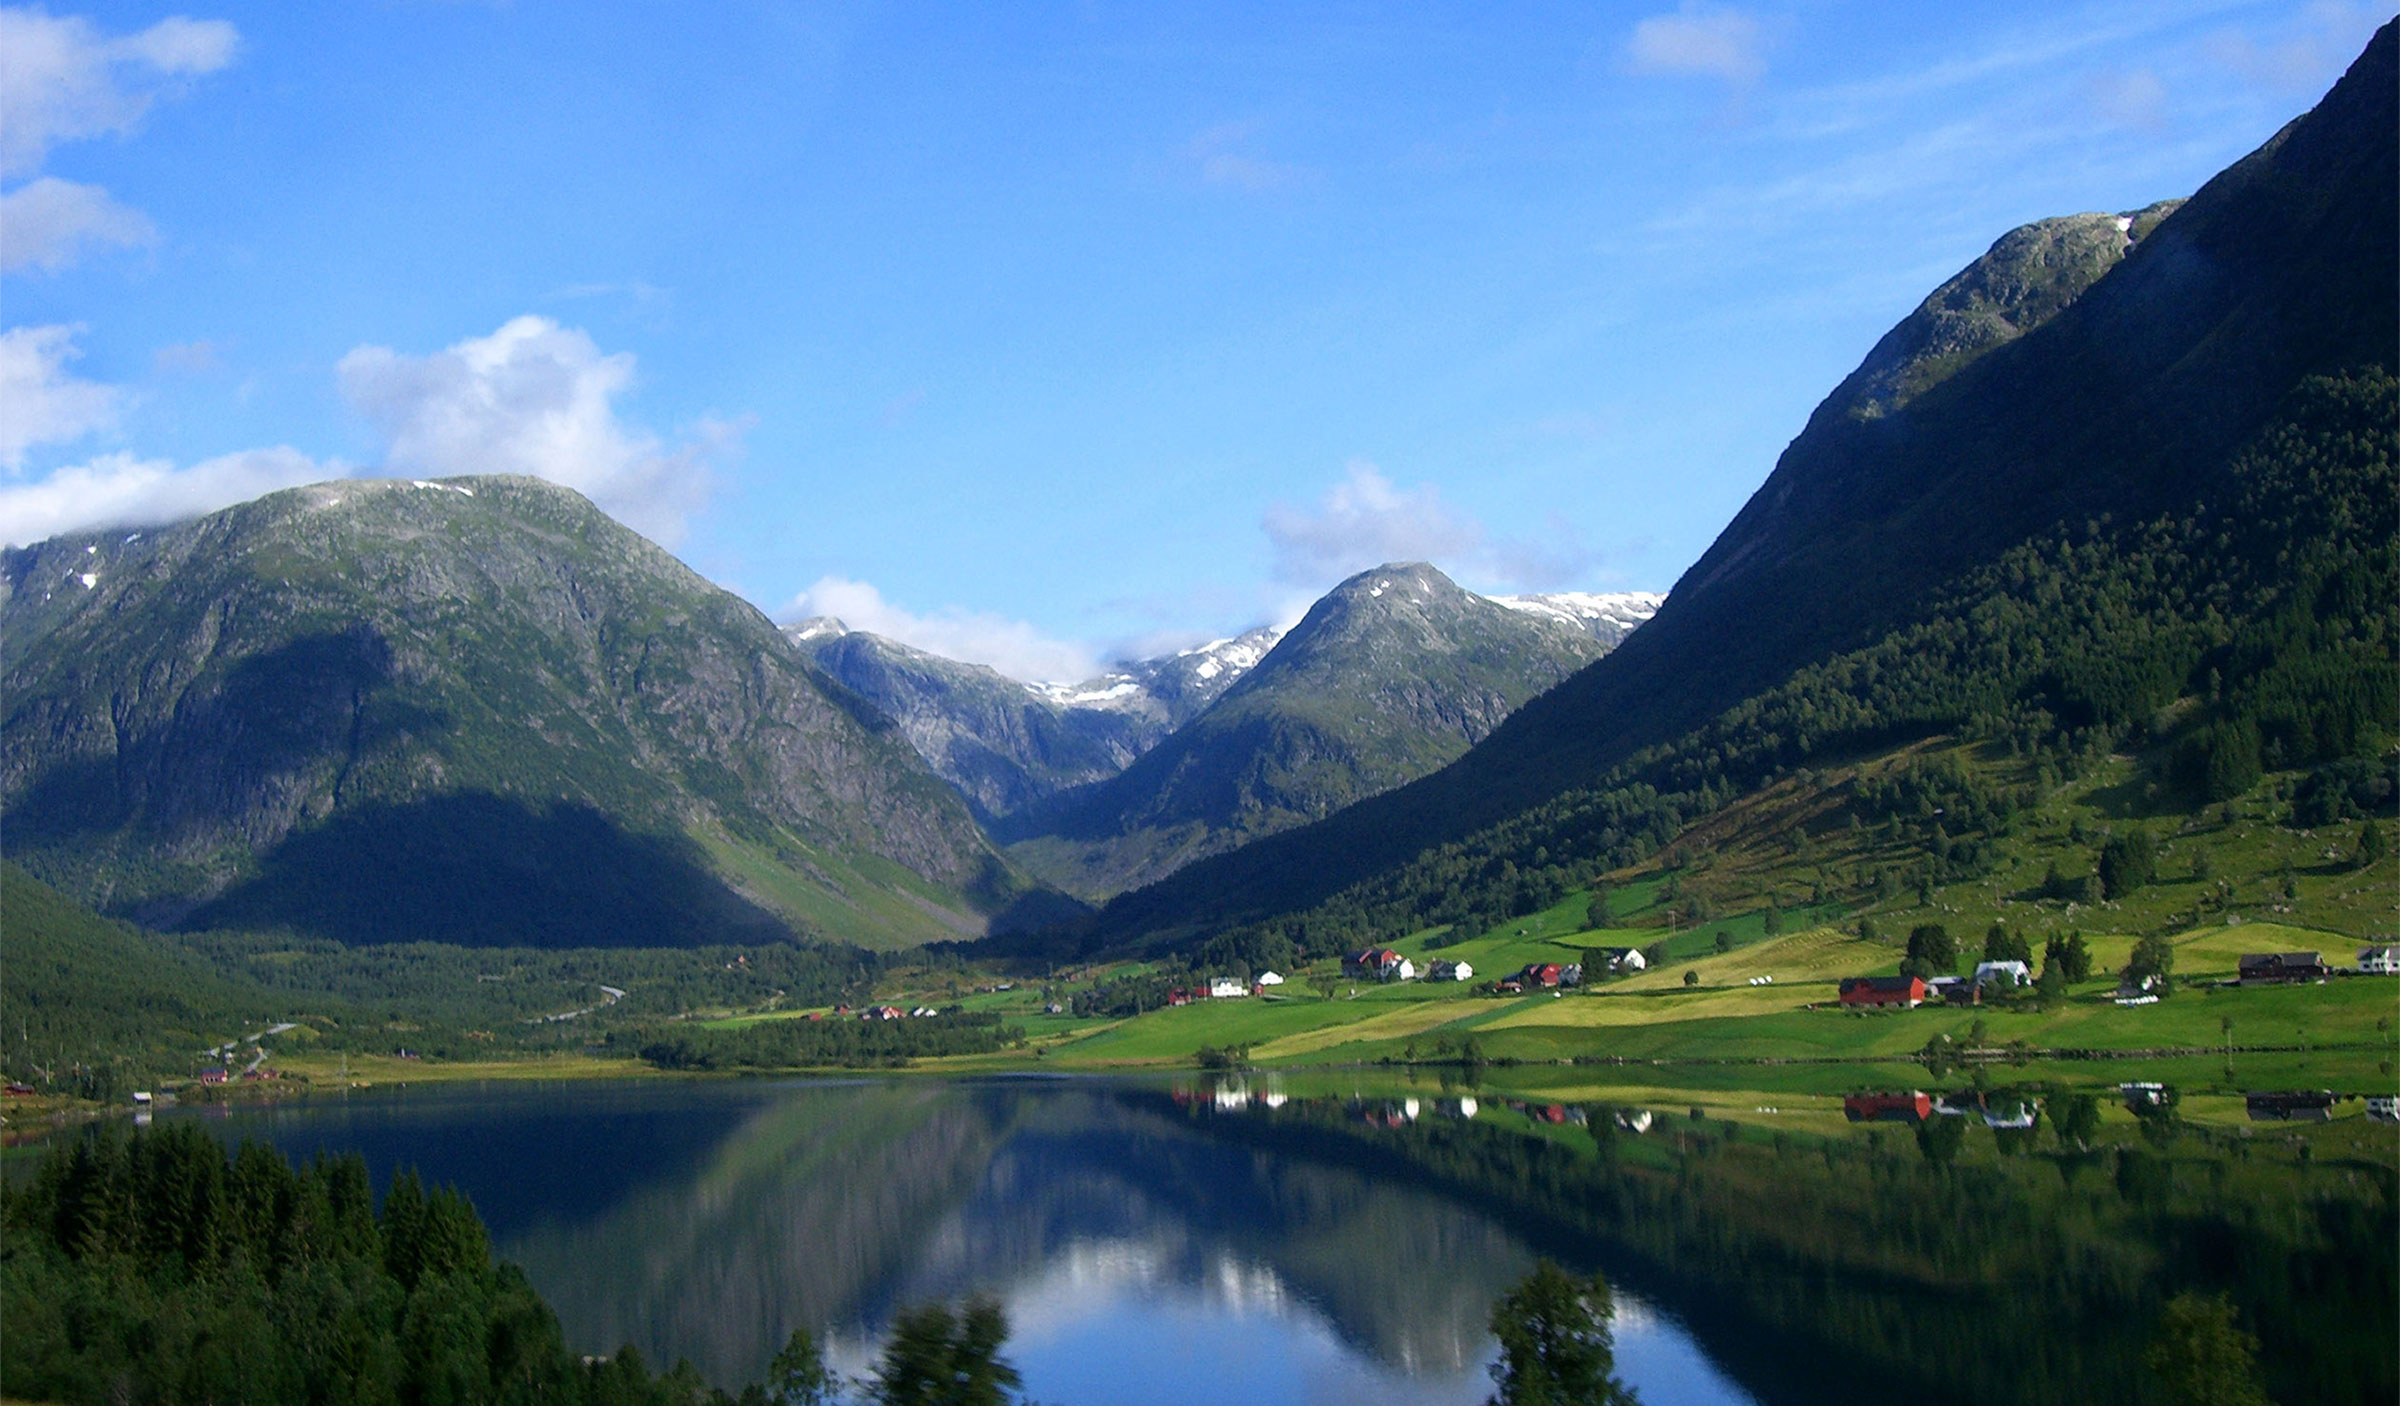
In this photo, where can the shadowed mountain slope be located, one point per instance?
(2028, 398)
(478, 711)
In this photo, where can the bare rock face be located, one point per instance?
(471, 710)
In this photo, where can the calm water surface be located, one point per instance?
(1144, 1252)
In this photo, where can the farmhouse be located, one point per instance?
(2268, 968)
(1541, 974)
(1621, 960)
(2009, 973)
(2379, 961)
(1906, 992)
(1222, 988)
(1443, 969)
(1380, 964)
(1571, 974)
(1269, 979)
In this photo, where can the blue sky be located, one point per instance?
(1034, 333)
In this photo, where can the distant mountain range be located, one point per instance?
(476, 710)
(1008, 745)
(1395, 672)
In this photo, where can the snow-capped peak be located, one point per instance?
(1605, 613)
(815, 627)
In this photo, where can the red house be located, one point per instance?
(1888, 1108)
(1542, 974)
(1906, 992)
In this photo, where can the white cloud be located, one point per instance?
(61, 80)
(47, 224)
(1216, 158)
(1700, 41)
(1365, 521)
(40, 401)
(533, 398)
(2137, 99)
(1013, 647)
(120, 490)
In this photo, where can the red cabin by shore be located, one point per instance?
(1903, 991)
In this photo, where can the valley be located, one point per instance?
(1955, 926)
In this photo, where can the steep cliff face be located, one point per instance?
(476, 710)
(1392, 674)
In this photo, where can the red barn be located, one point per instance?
(1902, 991)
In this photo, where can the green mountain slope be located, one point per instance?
(1394, 673)
(477, 711)
(2050, 535)
(100, 1007)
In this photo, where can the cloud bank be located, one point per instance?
(532, 398)
(122, 490)
(1013, 647)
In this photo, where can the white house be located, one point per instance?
(2379, 961)
(2014, 972)
(1269, 979)
(1443, 969)
(1226, 987)
(1406, 971)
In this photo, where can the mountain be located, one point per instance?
(1005, 744)
(1395, 672)
(1171, 688)
(1980, 528)
(475, 710)
(1606, 616)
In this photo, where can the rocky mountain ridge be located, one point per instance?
(1008, 744)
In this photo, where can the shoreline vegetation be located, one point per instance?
(1734, 985)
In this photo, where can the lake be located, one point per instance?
(1162, 1242)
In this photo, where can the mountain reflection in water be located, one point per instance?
(1142, 1256)
(1201, 1244)
(834, 1207)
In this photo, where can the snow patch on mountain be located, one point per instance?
(1611, 615)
